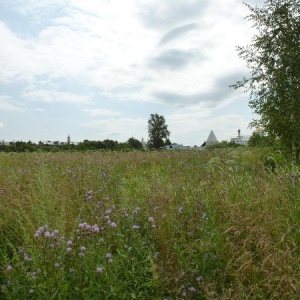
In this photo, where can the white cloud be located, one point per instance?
(170, 54)
(101, 112)
(8, 104)
(47, 96)
(1, 125)
(120, 129)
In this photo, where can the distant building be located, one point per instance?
(144, 144)
(177, 147)
(240, 139)
(212, 139)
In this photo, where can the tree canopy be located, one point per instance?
(158, 131)
(273, 58)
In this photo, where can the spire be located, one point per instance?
(211, 139)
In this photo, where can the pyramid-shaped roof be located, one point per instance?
(211, 139)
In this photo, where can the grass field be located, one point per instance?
(149, 225)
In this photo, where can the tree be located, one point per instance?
(274, 60)
(158, 131)
(134, 143)
(259, 140)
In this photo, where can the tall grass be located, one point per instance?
(160, 225)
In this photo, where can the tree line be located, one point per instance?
(107, 144)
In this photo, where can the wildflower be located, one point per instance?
(99, 270)
(47, 234)
(70, 243)
(88, 227)
(156, 207)
(9, 268)
(110, 261)
(108, 255)
(95, 228)
(180, 209)
(184, 294)
(156, 254)
(192, 289)
(56, 265)
(101, 241)
(26, 257)
(31, 291)
(150, 219)
(51, 246)
(81, 254)
(204, 216)
(82, 248)
(135, 227)
(55, 231)
(164, 215)
(136, 210)
(69, 249)
(199, 278)
(113, 224)
(88, 195)
(72, 270)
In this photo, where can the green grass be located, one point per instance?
(216, 224)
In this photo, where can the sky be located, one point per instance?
(97, 69)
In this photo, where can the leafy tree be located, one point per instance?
(274, 60)
(134, 143)
(158, 131)
(259, 140)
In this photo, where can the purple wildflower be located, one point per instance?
(150, 219)
(113, 225)
(47, 234)
(9, 268)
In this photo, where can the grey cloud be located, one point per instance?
(174, 59)
(209, 99)
(178, 31)
(170, 13)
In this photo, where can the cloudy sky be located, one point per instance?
(97, 69)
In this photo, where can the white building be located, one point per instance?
(240, 139)
(144, 144)
(212, 139)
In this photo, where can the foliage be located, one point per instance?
(134, 144)
(158, 132)
(260, 140)
(149, 225)
(274, 59)
(86, 145)
(223, 144)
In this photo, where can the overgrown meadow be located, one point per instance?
(219, 224)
